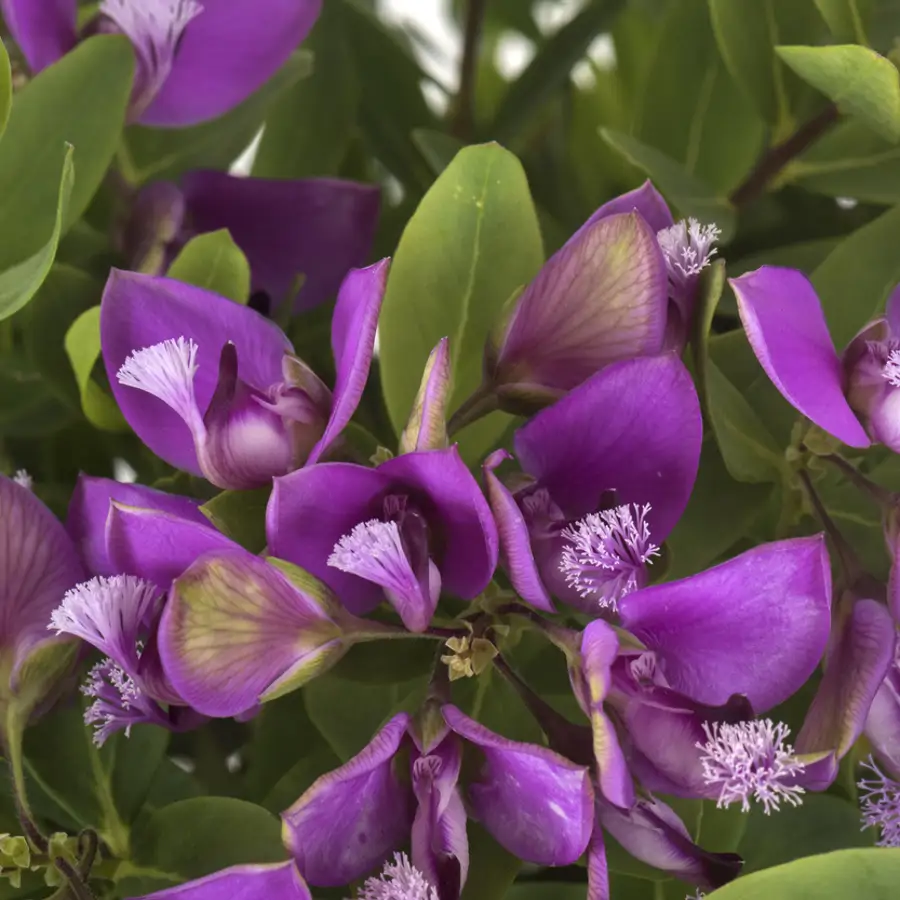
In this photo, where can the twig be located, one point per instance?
(464, 112)
(777, 157)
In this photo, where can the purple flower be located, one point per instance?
(317, 228)
(253, 882)
(399, 880)
(880, 804)
(403, 531)
(535, 803)
(212, 387)
(610, 469)
(787, 330)
(196, 59)
(623, 286)
(94, 518)
(118, 617)
(38, 564)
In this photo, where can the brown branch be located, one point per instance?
(464, 111)
(777, 157)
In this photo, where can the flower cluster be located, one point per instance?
(282, 521)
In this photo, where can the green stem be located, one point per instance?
(482, 402)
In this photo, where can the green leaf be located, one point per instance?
(379, 662)
(196, 837)
(391, 105)
(438, 148)
(491, 868)
(823, 823)
(686, 191)
(348, 713)
(241, 515)
(5, 88)
(215, 262)
(472, 242)
(80, 100)
(747, 32)
(872, 873)
(712, 284)
(65, 294)
(169, 152)
(865, 267)
(850, 161)
(690, 107)
(82, 344)
(748, 448)
(309, 128)
(21, 282)
(862, 82)
(551, 67)
(844, 19)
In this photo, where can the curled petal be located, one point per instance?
(599, 646)
(601, 298)
(352, 341)
(653, 833)
(634, 428)
(515, 543)
(756, 625)
(319, 228)
(883, 721)
(140, 311)
(157, 545)
(204, 82)
(536, 803)
(350, 820)
(787, 330)
(857, 664)
(427, 426)
(90, 507)
(281, 880)
(235, 629)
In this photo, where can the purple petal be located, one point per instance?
(787, 330)
(456, 510)
(597, 869)
(234, 626)
(601, 298)
(320, 228)
(883, 721)
(535, 803)
(90, 506)
(599, 647)
(856, 666)
(427, 425)
(756, 625)
(634, 428)
(645, 200)
(139, 311)
(44, 31)
(350, 820)
(226, 53)
(440, 848)
(352, 340)
(281, 880)
(653, 833)
(892, 311)
(311, 509)
(38, 564)
(515, 543)
(156, 544)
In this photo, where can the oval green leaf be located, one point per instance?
(871, 873)
(5, 88)
(860, 81)
(81, 100)
(21, 282)
(472, 242)
(213, 261)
